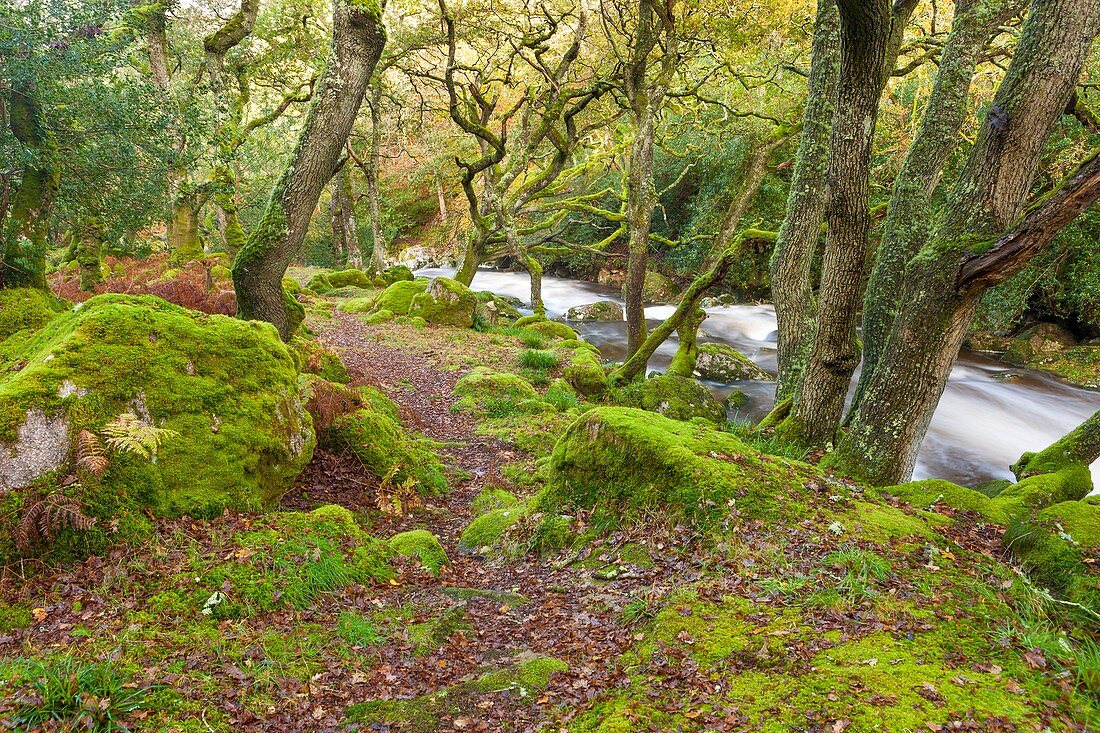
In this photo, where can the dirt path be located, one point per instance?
(566, 614)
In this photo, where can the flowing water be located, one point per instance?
(990, 413)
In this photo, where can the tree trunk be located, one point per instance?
(910, 213)
(792, 286)
(870, 34)
(24, 256)
(1080, 446)
(442, 199)
(471, 260)
(944, 282)
(345, 232)
(687, 353)
(357, 41)
(640, 199)
(89, 253)
(378, 237)
(687, 308)
(184, 240)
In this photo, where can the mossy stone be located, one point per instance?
(421, 544)
(349, 278)
(483, 390)
(723, 363)
(396, 273)
(398, 297)
(680, 398)
(27, 309)
(446, 302)
(585, 374)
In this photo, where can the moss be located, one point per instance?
(487, 529)
(551, 329)
(928, 493)
(27, 309)
(585, 374)
(14, 617)
(494, 393)
(286, 560)
(1054, 545)
(397, 273)
(349, 278)
(446, 302)
(530, 676)
(539, 359)
(722, 363)
(319, 283)
(377, 439)
(295, 311)
(227, 388)
(362, 305)
(313, 357)
(884, 523)
(630, 462)
(680, 398)
(1036, 492)
(420, 544)
(398, 297)
(561, 395)
(490, 499)
(382, 316)
(494, 309)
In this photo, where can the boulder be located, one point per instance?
(722, 363)
(397, 273)
(495, 310)
(193, 413)
(601, 310)
(397, 298)
(351, 277)
(446, 302)
(27, 309)
(544, 326)
(1040, 340)
(483, 390)
(679, 398)
(585, 373)
(658, 289)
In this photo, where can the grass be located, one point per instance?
(539, 359)
(359, 631)
(79, 696)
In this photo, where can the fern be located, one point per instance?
(130, 434)
(90, 453)
(396, 500)
(44, 519)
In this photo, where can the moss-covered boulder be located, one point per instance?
(1060, 547)
(601, 310)
(495, 310)
(722, 363)
(397, 298)
(204, 411)
(550, 329)
(585, 374)
(351, 277)
(319, 283)
(629, 462)
(27, 309)
(422, 545)
(446, 302)
(657, 289)
(680, 398)
(1037, 341)
(487, 529)
(375, 435)
(397, 273)
(494, 393)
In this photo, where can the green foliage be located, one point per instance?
(358, 630)
(61, 690)
(422, 545)
(128, 433)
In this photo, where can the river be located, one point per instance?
(988, 416)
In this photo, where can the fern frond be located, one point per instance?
(130, 434)
(90, 453)
(44, 519)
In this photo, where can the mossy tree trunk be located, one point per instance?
(967, 254)
(687, 353)
(89, 252)
(870, 38)
(345, 229)
(357, 41)
(910, 214)
(26, 231)
(374, 196)
(1081, 446)
(792, 286)
(184, 239)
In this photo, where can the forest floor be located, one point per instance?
(776, 626)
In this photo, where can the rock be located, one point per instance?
(679, 398)
(631, 462)
(421, 544)
(601, 310)
(221, 394)
(495, 310)
(417, 258)
(585, 374)
(723, 363)
(987, 342)
(27, 309)
(349, 278)
(1040, 340)
(483, 390)
(397, 298)
(546, 327)
(397, 273)
(446, 302)
(1057, 546)
(658, 289)
(611, 277)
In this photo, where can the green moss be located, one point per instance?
(396, 273)
(319, 283)
(398, 297)
(585, 374)
(227, 388)
(884, 523)
(561, 395)
(382, 316)
(27, 309)
(526, 677)
(420, 544)
(680, 398)
(539, 359)
(930, 492)
(376, 437)
(549, 329)
(14, 617)
(295, 311)
(630, 462)
(490, 499)
(495, 393)
(1054, 545)
(495, 310)
(487, 529)
(349, 278)
(1071, 483)
(446, 302)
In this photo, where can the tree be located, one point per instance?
(983, 235)
(258, 269)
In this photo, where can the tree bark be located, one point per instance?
(910, 213)
(964, 255)
(792, 286)
(24, 254)
(377, 234)
(89, 253)
(345, 231)
(357, 41)
(870, 35)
